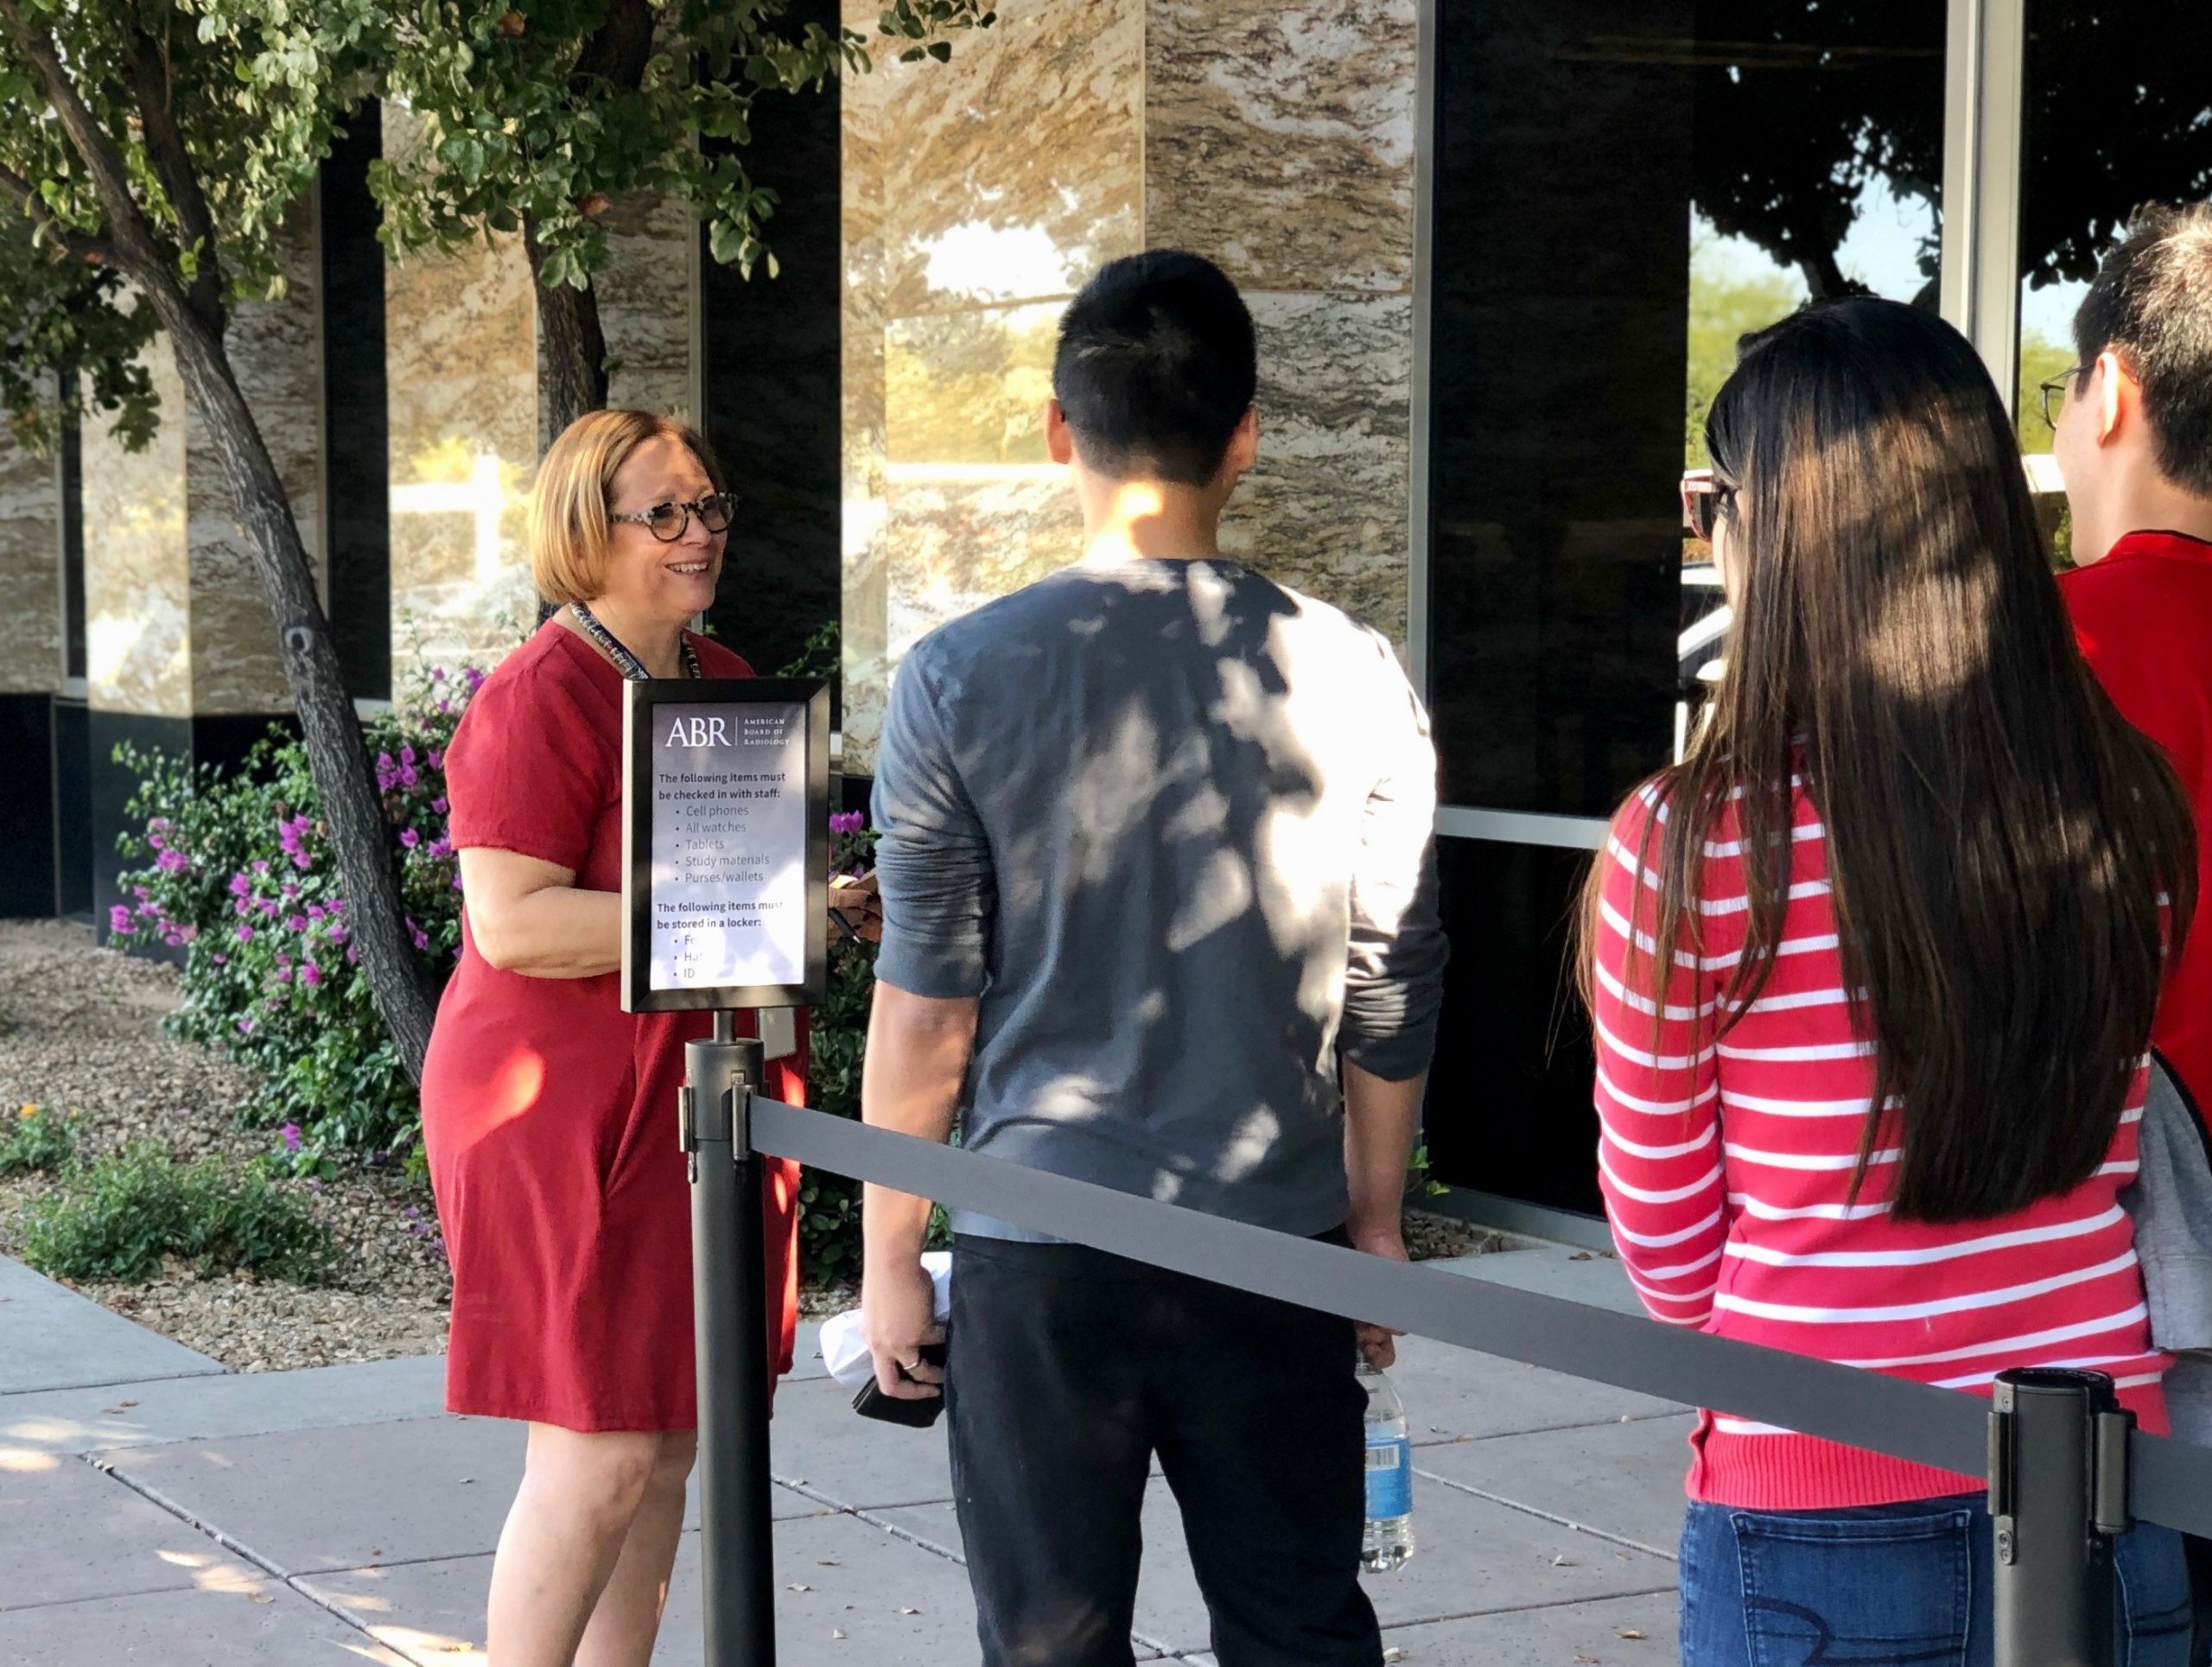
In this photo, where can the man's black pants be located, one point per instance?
(1070, 1369)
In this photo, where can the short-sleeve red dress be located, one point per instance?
(549, 1113)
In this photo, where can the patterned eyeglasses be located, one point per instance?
(668, 521)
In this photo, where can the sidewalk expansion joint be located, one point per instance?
(120, 1383)
(231, 1543)
(805, 1489)
(808, 1491)
(92, 1597)
(1595, 1533)
(1668, 1590)
(1552, 1429)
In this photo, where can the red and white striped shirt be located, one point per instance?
(1727, 1171)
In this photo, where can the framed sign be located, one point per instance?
(725, 844)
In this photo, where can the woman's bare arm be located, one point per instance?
(528, 916)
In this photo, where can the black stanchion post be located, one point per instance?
(728, 1275)
(2058, 1492)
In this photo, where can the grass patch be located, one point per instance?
(118, 1217)
(37, 1140)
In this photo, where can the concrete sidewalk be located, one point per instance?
(157, 1510)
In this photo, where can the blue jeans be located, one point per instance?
(1886, 1586)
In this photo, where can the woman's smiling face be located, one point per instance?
(672, 581)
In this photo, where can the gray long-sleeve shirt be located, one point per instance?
(1172, 824)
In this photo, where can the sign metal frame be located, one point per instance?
(642, 698)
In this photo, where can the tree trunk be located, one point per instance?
(1824, 276)
(571, 350)
(353, 808)
(571, 347)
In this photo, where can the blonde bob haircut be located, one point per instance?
(569, 510)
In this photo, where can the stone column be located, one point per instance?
(1280, 143)
(461, 371)
(30, 672)
(979, 194)
(181, 655)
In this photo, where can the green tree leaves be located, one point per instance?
(533, 110)
(219, 113)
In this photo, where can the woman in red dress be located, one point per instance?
(549, 1114)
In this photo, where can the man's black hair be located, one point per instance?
(1156, 367)
(2151, 305)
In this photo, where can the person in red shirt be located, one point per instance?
(2132, 422)
(2134, 441)
(549, 1112)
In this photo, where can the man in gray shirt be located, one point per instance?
(1158, 894)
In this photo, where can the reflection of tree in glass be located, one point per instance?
(2118, 113)
(1800, 104)
(969, 387)
(2041, 359)
(1725, 305)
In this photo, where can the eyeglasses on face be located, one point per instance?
(2055, 389)
(669, 521)
(1705, 502)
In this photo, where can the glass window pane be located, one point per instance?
(1621, 189)
(2117, 112)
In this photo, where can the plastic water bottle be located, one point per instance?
(1389, 1538)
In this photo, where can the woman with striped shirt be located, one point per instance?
(1872, 973)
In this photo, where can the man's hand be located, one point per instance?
(1378, 1344)
(917, 1049)
(899, 1307)
(1381, 1118)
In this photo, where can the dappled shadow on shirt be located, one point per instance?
(1160, 815)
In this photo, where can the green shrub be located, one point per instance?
(242, 878)
(118, 1217)
(37, 1140)
(829, 1205)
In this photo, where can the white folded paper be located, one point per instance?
(844, 1336)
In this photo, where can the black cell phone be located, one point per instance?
(873, 1402)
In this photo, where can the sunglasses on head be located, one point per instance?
(1705, 502)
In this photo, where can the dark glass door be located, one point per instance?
(1621, 189)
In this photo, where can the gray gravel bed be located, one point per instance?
(81, 1029)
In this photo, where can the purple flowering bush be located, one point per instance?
(238, 875)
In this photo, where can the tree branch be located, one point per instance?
(136, 243)
(618, 50)
(28, 204)
(172, 164)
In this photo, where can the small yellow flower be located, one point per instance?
(28, 1108)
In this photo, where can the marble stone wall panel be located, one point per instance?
(137, 575)
(275, 352)
(462, 369)
(30, 569)
(1010, 172)
(1279, 139)
(1324, 511)
(645, 305)
(970, 386)
(964, 535)
(1007, 175)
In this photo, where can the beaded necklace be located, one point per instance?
(628, 664)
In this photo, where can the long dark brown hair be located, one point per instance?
(1998, 836)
